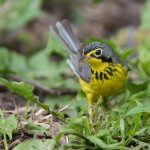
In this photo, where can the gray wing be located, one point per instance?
(85, 71)
(64, 31)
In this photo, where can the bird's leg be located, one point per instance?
(91, 98)
(93, 107)
(90, 112)
(90, 108)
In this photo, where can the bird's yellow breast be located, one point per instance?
(106, 80)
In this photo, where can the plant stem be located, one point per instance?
(5, 141)
(35, 99)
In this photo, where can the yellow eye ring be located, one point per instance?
(98, 52)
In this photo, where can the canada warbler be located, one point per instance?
(100, 71)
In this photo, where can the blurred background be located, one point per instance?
(30, 53)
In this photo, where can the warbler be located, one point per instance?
(99, 69)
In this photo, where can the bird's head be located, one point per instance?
(98, 53)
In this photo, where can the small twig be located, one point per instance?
(45, 107)
(39, 112)
(47, 117)
(14, 143)
(64, 108)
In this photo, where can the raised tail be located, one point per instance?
(64, 32)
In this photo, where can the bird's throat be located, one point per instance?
(99, 65)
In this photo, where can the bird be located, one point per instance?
(100, 70)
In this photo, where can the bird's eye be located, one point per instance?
(98, 52)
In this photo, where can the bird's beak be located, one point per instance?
(85, 58)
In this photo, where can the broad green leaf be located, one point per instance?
(8, 125)
(23, 89)
(36, 144)
(11, 124)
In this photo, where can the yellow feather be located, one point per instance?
(115, 77)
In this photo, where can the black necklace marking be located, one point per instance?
(96, 75)
(92, 71)
(105, 76)
(104, 59)
(101, 76)
(110, 73)
(112, 68)
(109, 70)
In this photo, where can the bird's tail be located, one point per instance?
(64, 31)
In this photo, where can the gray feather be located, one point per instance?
(85, 71)
(64, 32)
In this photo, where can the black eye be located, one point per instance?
(98, 52)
